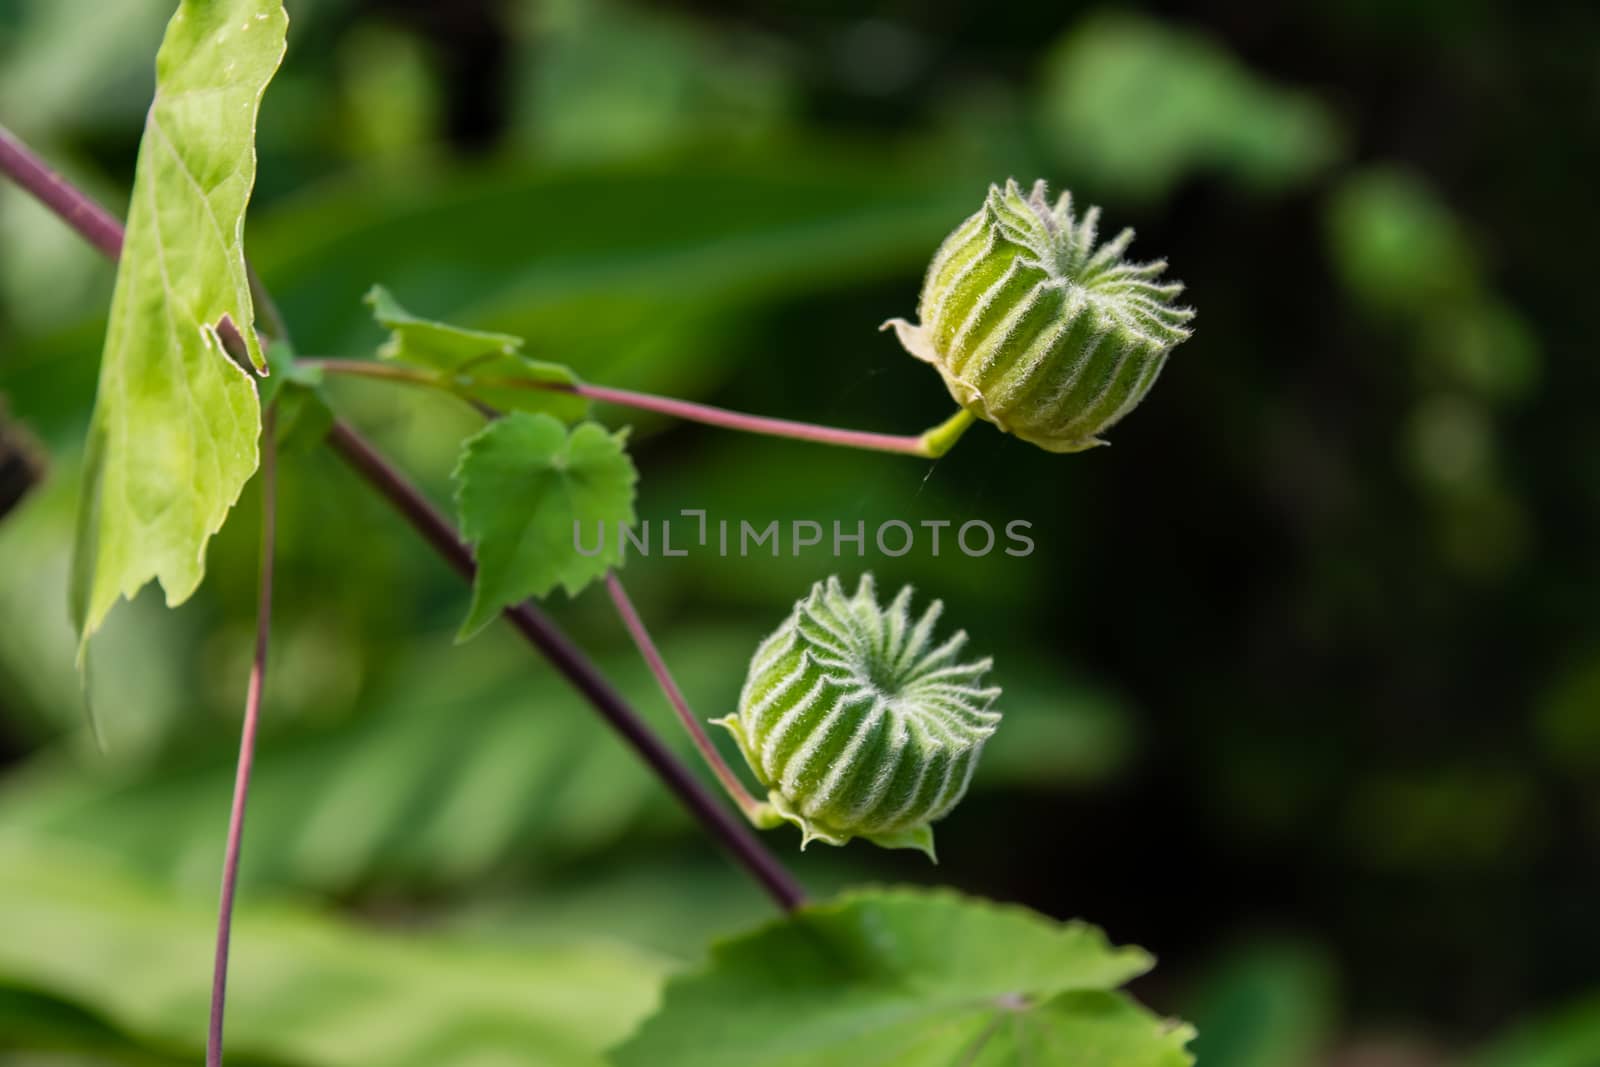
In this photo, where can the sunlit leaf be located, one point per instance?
(473, 361)
(911, 978)
(174, 433)
(527, 490)
(306, 989)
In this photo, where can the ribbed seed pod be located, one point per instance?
(1037, 330)
(858, 724)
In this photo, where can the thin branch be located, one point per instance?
(247, 733)
(97, 225)
(578, 670)
(68, 202)
(928, 445)
(658, 669)
(910, 445)
(94, 223)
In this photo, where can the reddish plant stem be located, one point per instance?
(96, 225)
(658, 668)
(578, 670)
(910, 445)
(247, 734)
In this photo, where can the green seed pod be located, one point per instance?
(1035, 329)
(857, 723)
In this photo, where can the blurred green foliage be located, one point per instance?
(1132, 105)
(1300, 680)
(321, 991)
(1268, 1004)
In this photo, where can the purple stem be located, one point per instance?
(663, 676)
(910, 445)
(247, 734)
(97, 225)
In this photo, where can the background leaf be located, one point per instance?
(526, 488)
(1269, 1004)
(914, 978)
(1133, 105)
(1566, 1037)
(309, 990)
(174, 432)
(638, 275)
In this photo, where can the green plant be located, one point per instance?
(193, 401)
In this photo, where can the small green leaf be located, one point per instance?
(526, 488)
(910, 977)
(304, 416)
(173, 437)
(473, 361)
(286, 371)
(304, 419)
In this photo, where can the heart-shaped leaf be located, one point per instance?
(528, 491)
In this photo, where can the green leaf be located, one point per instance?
(912, 978)
(526, 489)
(304, 416)
(173, 437)
(1087, 1029)
(306, 989)
(472, 361)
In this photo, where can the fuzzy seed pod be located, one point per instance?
(1035, 329)
(858, 724)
